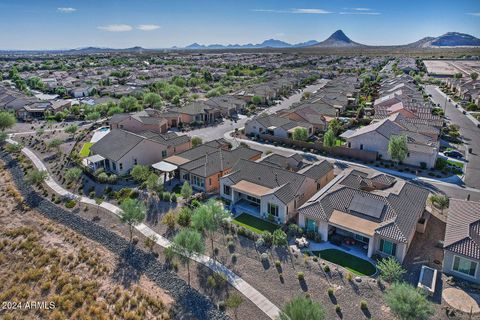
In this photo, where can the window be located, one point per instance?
(164, 153)
(349, 145)
(465, 266)
(361, 147)
(121, 166)
(253, 200)
(209, 181)
(388, 247)
(408, 155)
(273, 209)
(197, 181)
(361, 238)
(227, 190)
(311, 225)
(135, 162)
(114, 166)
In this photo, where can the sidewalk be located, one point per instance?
(271, 310)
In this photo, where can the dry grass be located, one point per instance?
(43, 261)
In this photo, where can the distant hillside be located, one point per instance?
(270, 43)
(449, 39)
(338, 39)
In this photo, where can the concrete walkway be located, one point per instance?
(271, 310)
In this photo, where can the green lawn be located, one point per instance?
(85, 152)
(455, 163)
(353, 264)
(254, 224)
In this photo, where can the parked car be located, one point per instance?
(453, 154)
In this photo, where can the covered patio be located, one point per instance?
(166, 169)
(95, 162)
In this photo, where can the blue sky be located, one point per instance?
(58, 24)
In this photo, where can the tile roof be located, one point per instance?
(462, 233)
(399, 204)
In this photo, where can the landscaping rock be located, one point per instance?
(358, 279)
(189, 303)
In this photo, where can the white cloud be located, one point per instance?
(148, 27)
(476, 14)
(66, 10)
(116, 28)
(362, 9)
(310, 11)
(361, 12)
(299, 10)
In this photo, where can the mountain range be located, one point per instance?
(340, 40)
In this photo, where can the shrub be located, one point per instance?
(408, 303)
(326, 268)
(264, 256)
(259, 243)
(267, 237)
(349, 276)
(390, 270)
(70, 203)
(169, 220)
(330, 291)
(338, 309)
(278, 264)
(234, 258)
(184, 217)
(363, 305)
(300, 276)
(173, 198)
(231, 245)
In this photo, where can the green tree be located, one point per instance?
(474, 76)
(397, 147)
(256, 100)
(408, 303)
(302, 308)
(72, 129)
(300, 134)
(335, 125)
(186, 191)
(152, 100)
(184, 216)
(140, 173)
(73, 174)
(187, 243)
(440, 201)
(36, 177)
(208, 218)
(129, 104)
(132, 213)
(93, 116)
(234, 301)
(196, 141)
(390, 270)
(329, 139)
(7, 120)
(14, 147)
(114, 110)
(279, 238)
(153, 183)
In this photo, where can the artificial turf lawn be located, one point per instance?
(353, 264)
(85, 152)
(255, 224)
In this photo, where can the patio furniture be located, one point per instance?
(302, 242)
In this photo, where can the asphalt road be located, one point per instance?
(469, 132)
(218, 131)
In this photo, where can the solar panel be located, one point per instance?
(367, 205)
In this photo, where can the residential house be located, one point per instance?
(276, 126)
(80, 92)
(422, 148)
(145, 120)
(120, 150)
(268, 191)
(204, 165)
(197, 112)
(378, 211)
(462, 240)
(228, 105)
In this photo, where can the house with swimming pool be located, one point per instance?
(268, 190)
(376, 212)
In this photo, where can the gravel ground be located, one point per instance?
(189, 303)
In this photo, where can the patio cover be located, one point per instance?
(177, 160)
(95, 158)
(251, 188)
(353, 223)
(164, 166)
